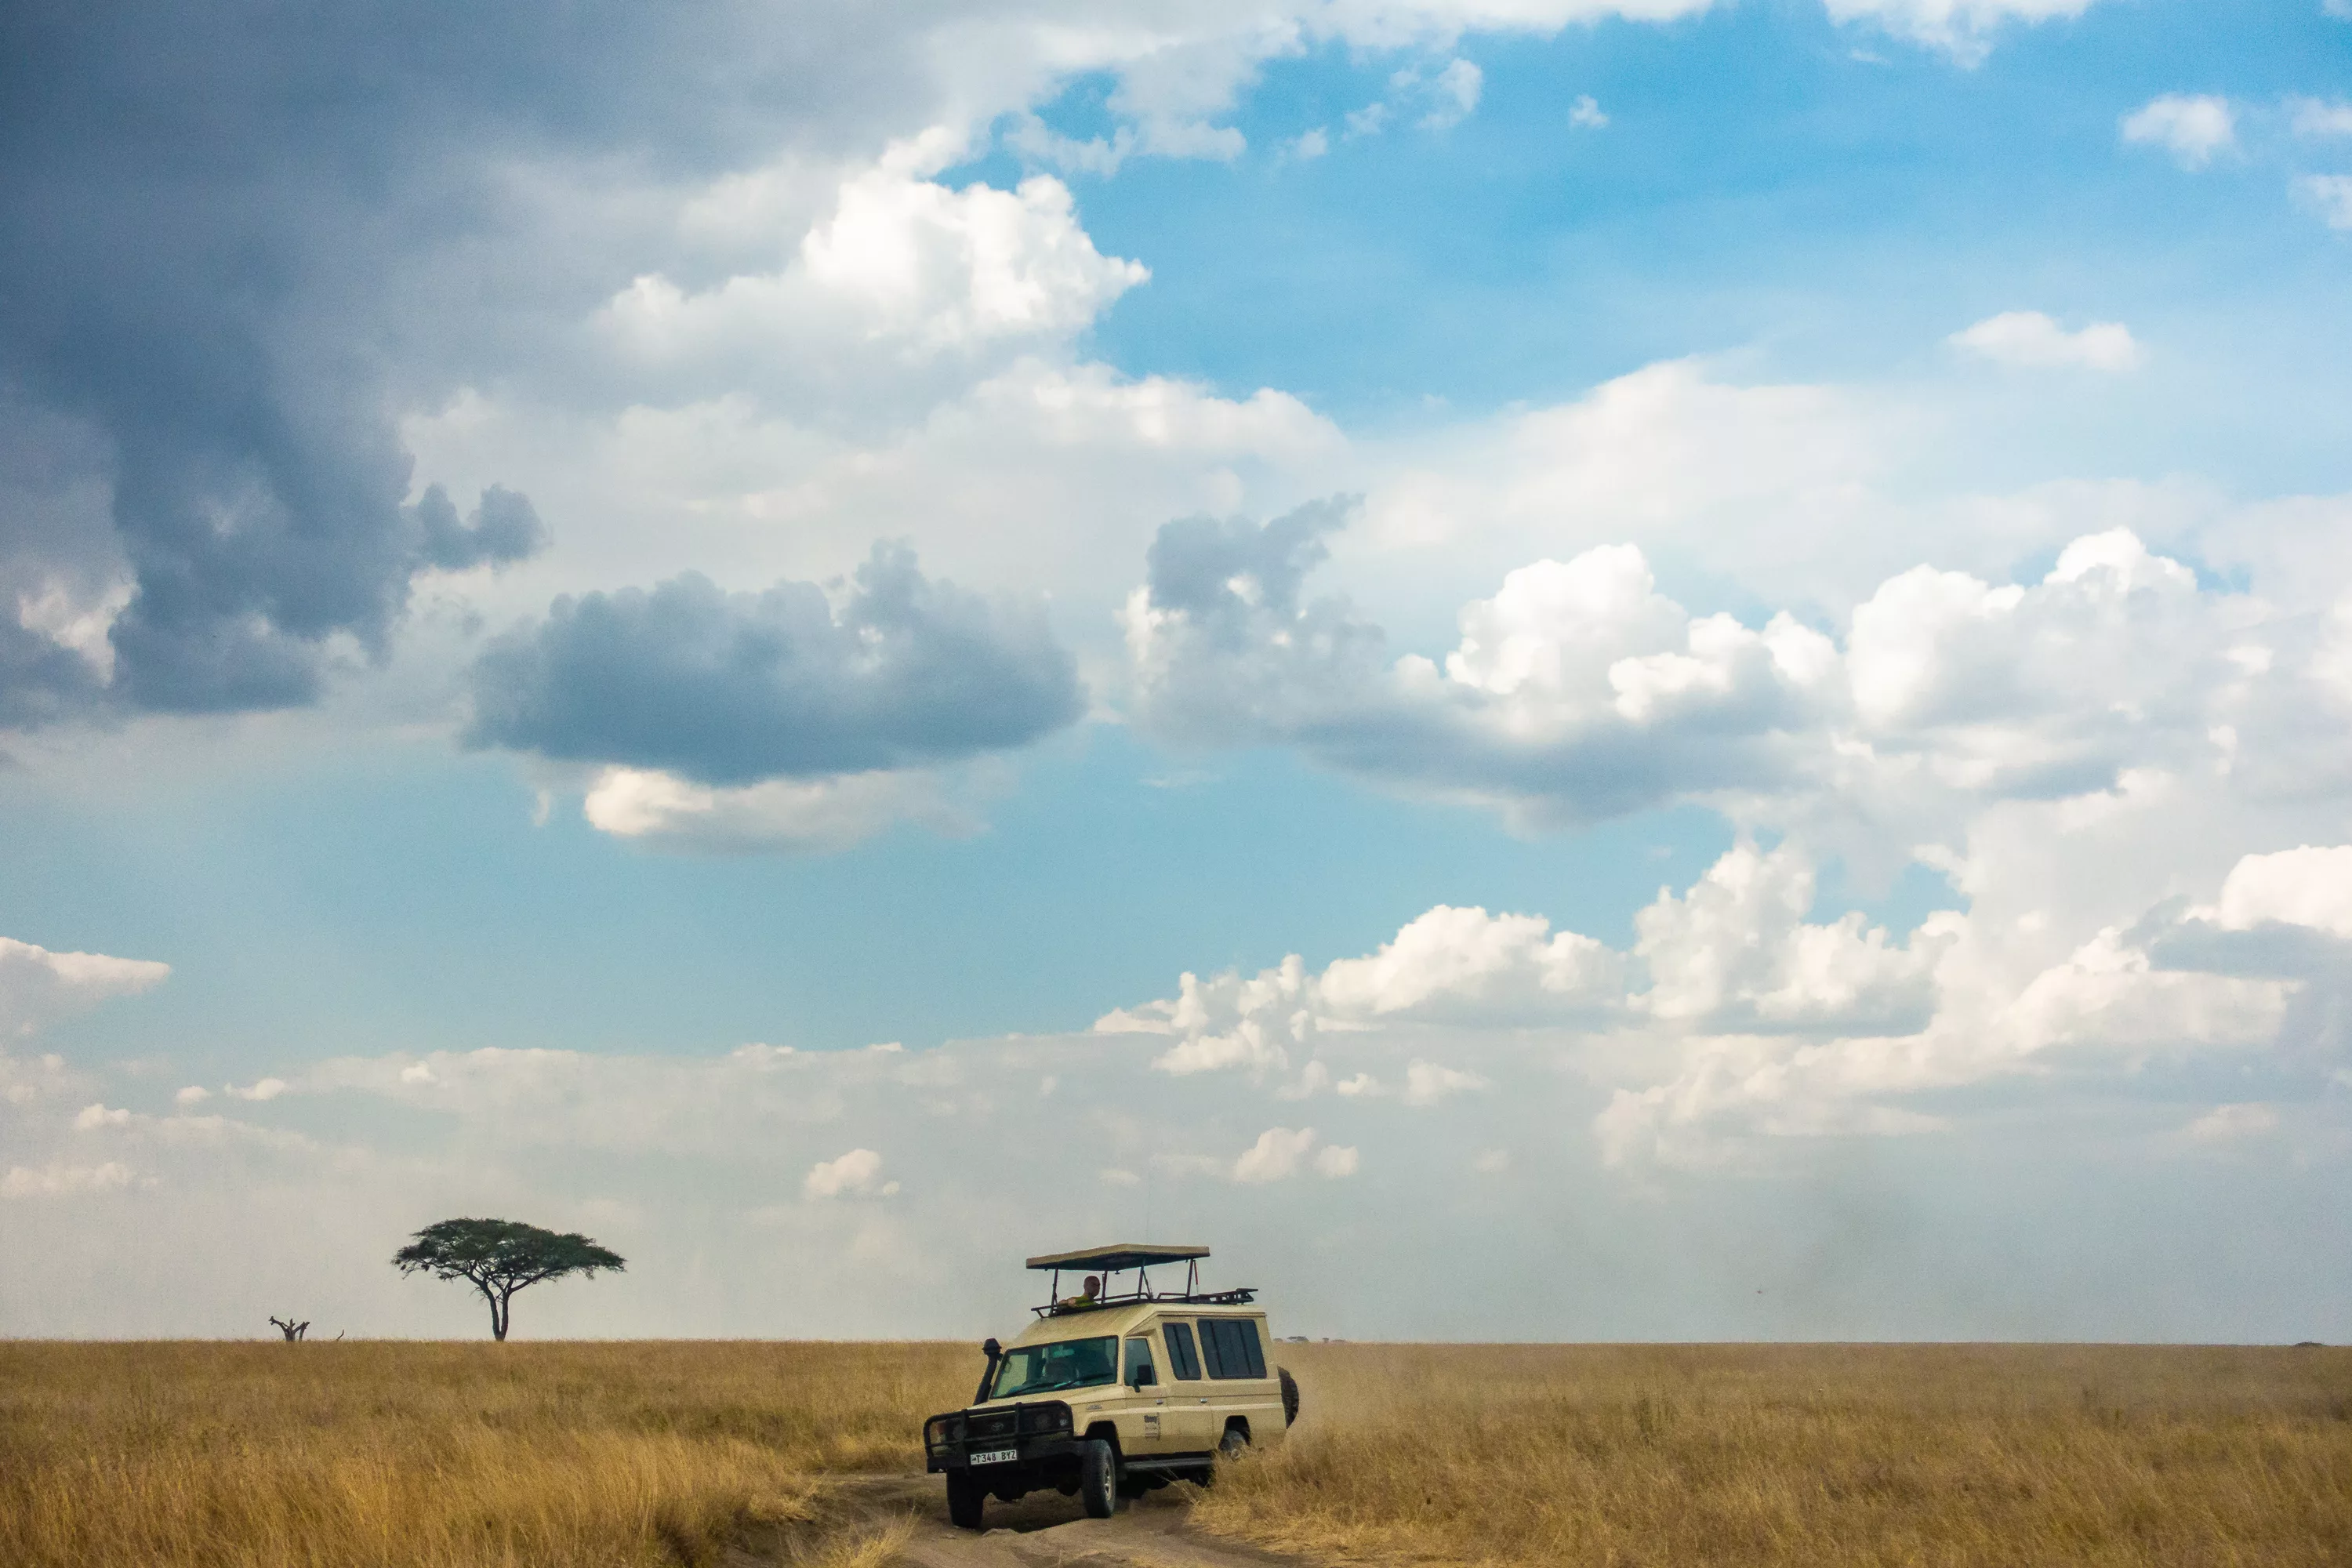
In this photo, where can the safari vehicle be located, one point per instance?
(1113, 1392)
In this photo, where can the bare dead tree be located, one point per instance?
(290, 1329)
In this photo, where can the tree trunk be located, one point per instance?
(497, 1318)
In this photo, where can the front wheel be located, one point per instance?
(1098, 1478)
(965, 1497)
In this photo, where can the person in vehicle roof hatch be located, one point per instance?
(1085, 1297)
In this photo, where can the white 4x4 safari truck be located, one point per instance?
(1112, 1392)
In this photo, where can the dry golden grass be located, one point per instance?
(436, 1455)
(1820, 1456)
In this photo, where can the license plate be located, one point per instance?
(995, 1456)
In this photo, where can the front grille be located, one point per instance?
(996, 1424)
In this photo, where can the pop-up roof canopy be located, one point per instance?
(1118, 1257)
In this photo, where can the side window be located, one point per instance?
(1245, 1340)
(1229, 1346)
(1181, 1359)
(1141, 1373)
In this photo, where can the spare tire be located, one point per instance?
(1289, 1395)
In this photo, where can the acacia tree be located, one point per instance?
(500, 1256)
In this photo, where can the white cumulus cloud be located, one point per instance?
(814, 816)
(2308, 886)
(38, 987)
(2031, 338)
(2329, 196)
(2321, 117)
(904, 268)
(2225, 1122)
(1426, 1083)
(1336, 1160)
(1964, 28)
(858, 1173)
(2191, 127)
(1456, 89)
(60, 1180)
(1736, 953)
(1459, 959)
(1281, 1152)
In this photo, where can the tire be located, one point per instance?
(1289, 1395)
(1234, 1444)
(966, 1496)
(1098, 1478)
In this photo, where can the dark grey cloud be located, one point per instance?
(505, 527)
(237, 240)
(732, 688)
(1197, 564)
(1249, 661)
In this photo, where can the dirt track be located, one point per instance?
(1043, 1530)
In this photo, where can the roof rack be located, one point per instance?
(1119, 1257)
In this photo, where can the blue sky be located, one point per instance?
(1433, 643)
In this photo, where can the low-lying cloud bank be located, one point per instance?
(1749, 1097)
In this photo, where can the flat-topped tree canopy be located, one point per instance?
(1120, 1256)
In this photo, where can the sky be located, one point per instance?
(1550, 669)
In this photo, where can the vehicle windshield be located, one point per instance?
(1067, 1363)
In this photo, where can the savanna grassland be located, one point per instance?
(1822, 1456)
(430, 1456)
(403, 1455)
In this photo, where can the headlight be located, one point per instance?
(1045, 1418)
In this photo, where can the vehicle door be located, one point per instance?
(1191, 1422)
(1143, 1427)
(1232, 1354)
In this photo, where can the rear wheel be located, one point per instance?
(1289, 1395)
(1098, 1478)
(965, 1496)
(1234, 1444)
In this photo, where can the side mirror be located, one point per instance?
(1143, 1376)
